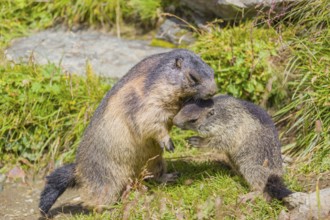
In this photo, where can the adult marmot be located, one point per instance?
(131, 126)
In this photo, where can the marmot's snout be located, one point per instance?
(185, 123)
(177, 122)
(210, 91)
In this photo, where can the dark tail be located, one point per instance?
(276, 188)
(57, 182)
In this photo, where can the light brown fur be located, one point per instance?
(132, 124)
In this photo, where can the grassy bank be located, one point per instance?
(244, 60)
(44, 112)
(306, 117)
(21, 17)
(283, 67)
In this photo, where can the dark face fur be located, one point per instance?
(189, 73)
(195, 115)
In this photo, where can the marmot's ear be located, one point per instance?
(178, 62)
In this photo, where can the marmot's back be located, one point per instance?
(253, 131)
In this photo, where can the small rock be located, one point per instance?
(295, 199)
(233, 10)
(308, 206)
(287, 159)
(188, 182)
(174, 31)
(283, 215)
(29, 200)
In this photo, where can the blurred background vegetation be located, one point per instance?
(281, 64)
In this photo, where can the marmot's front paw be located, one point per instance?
(194, 141)
(168, 145)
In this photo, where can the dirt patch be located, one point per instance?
(19, 201)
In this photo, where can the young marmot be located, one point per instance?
(245, 133)
(131, 126)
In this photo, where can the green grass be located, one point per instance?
(21, 17)
(206, 189)
(284, 65)
(241, 57)
(43, 114)
(43, 111)
(307, 116)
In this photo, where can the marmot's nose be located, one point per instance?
(214, 89)
(176, 122)
(179, 122)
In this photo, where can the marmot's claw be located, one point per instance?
(194, 141)
(170, 146)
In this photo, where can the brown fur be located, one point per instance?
(132, 123)
(243, 131)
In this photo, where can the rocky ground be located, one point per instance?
(108, 55)
(19, 200)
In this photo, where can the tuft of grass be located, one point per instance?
(241, 57)
(161, 43)
(307, 116)
(20, 17)
(44, 111)
(148, 11)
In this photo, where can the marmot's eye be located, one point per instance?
(193, 78)
(210, 113)
(192, 121)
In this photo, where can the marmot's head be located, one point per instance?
(187, 74)
(198, 115)
(209, 117)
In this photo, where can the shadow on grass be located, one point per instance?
(75, 209)
(199, 171)
(196, 171)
